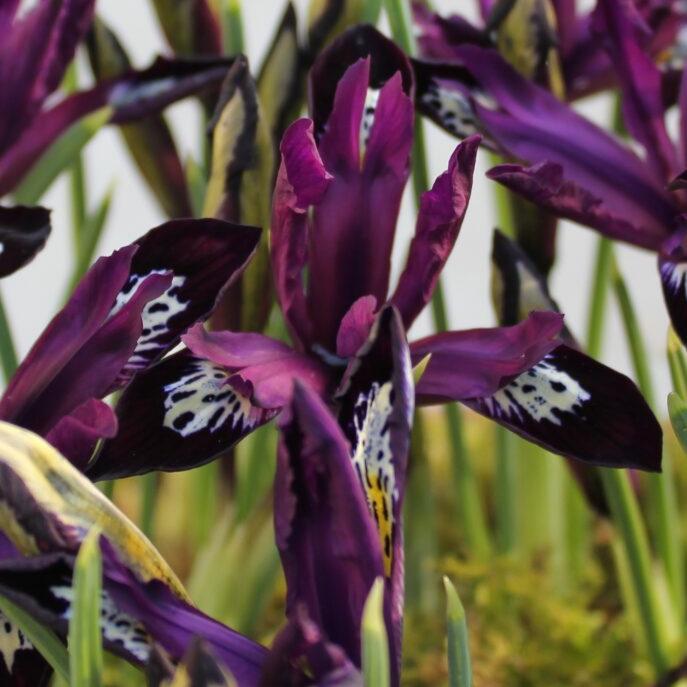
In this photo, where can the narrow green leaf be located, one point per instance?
(85, 641)
(375, 642)
(677, 411)
(420, 368)
(43, 639)
(459, 671)
(677, 363)
(91, 232)
(232, 27)
(371, 11)
(60, 156)
(197, 183)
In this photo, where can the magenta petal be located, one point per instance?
(572, 405)
(34, 55)
(23, 233)
(271, 367)
(355, 326)
(531, 125)
(546, 185)
(640, 81)
(75, 435)
(326, 536)
(302, 180)
(69, 330)
(439, 220)
(478, 362)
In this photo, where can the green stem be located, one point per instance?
(149, 487)
(467, 492)
(599, 295)
(371, 12)
(622, 501)
(205, 481)
(8, 353)
(664, 513)
(628, 521)
(506, 508)
(232, 27)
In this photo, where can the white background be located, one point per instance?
(35, 293)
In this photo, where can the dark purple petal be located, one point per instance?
(90, 370)
(546, 185)
(327, 539)
(132, 96)
(671, 264)
(354, 224)
(478, 362)
(75, 435)
(439, 220)
(205, 257)
(135, 615)
(270, 367)
(358, 42)
(301, 640)
(440, 36)
(530, 124)
(518, 287)
(23, 233)
(376, 403)
(355, 326)
(572, 405)
(173, 623)
(34, 56)
(82, 317)
(302, 180)
(178, 414)
(615, 23)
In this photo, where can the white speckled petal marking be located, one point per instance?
(542, 393)
(674, 275)
(202, 400)
(155, 316)
(117, 627)
(452, 108)
(12, 639)
(368, 119)
(373, 460)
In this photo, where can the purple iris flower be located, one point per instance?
(573, 168)
(145, 611)
(335, 209)
(126, 313)
(36, 47)
(586, 67)
(345, 387)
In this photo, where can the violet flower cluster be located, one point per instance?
(341, 386)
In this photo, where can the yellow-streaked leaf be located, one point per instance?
(59, 501)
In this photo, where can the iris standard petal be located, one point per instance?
(616, 24)
(23, 233)
(440, 217)
(302, 181)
